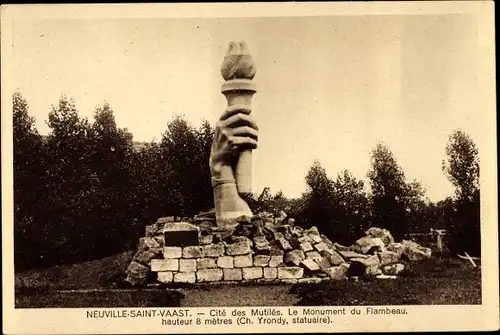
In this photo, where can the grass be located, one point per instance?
(96, 282)
(432, 282)
(435, 281)
(95, 274)
(100, 298)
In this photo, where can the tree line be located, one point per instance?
(84, 192)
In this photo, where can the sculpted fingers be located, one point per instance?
(235, 109)
(238, 120)
(243, 142)
(246, 131)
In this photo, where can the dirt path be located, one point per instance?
(226, 296)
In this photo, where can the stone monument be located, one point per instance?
(265, 248)
(236, 135)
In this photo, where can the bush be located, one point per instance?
(83, 192)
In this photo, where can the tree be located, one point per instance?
(28, 173)
(351, 208)
(319, 189)
(67, 177)
(339, 208)
(27, 155)
(267, 202)
(462, 169)
(392, 197)
(148, 196)
(186, 173)
(205, 136)
(462, 165)
(110, 192)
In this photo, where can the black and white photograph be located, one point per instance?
(198, 172)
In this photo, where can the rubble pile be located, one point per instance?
(263, 249)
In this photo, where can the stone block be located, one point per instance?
(165, 276)
(185, 277)
(156, 251)
(172, 252)
(350, 254)
(137, 273)
(261, 243)
(364, 243)
(306, 246)
(335, 258)
(192, 252)
(165, 219)
(305, 239)
(340, 247)
(312, 280)
(388, 257)
(187, 265)
(383, 234)
(180, 234)
(261, 260)
(296, 231)
(274, 261)
(414, 251)
(270, 273)
(313, 254)
(160, 240)
(290, 272)
(372, 264)
(327, 252)
(312, 231)
(232, 274)
(294, 257)
(243, 261)
(144, 257)
(321, 247)
(150, 230)
(289, 281)
(276, 252)
(147, 243)
(315, 238)
(327, 241)
(377, 241)
(225, 262)
(284, 244)
(208, 275)
(393, 269)
(367, 244)
(310, 264)
(323, 263)
(337, 272)
(252, 273)
(213, 250)
(206, 239)
(278, 235)
(239, 248)
(397, 248)
(158, 265)
(205, 263)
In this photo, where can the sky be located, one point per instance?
(328, 87)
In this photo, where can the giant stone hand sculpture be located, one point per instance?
(235, 136)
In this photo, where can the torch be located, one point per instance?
(238, 70)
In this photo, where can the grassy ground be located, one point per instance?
(436, 281)
(88, 275)
(239, 295)
(431, 282)
(99, 298)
